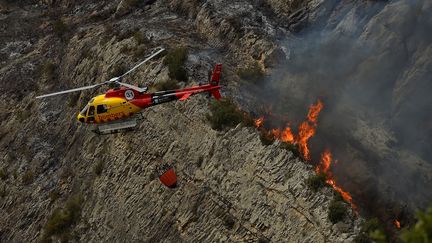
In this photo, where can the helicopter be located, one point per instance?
(120, 107)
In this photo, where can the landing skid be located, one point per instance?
(126, 125)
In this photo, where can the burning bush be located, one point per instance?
(175, 59)
(224, 113)
(316, 181)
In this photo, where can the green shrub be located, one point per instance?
(73, 99)
(337, 211)
(291, 147)
(131, 3)
(48, 70)
(125, 50)
(266, 137)
(200, 160)
(422, 231)
(139, 37)
(61, 220)
(140, 51)
(118, 70)
(169, 84)
(60, 27)
(316, 181)
(224, 113)
(229, 222)
(251, 74)
(3, 174)
(54, 195)
(28, 177)
(371, 231)
(98, 168)
(3, 192)
(175, 59)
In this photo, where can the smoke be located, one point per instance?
(371, 64)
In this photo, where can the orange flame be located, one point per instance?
(397, 223)
(324, 164)
(324, 167)
(307, 128)
(259, 122)
(287, 135)
(314, 111)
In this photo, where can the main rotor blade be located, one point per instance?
(158, 50)
(133, 87)
(70, 90)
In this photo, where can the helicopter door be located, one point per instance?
(90, 114)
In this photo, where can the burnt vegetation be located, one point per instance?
(266, 137)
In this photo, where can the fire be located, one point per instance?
(259, 122)
(284, 136)
(397, 223)
(314, 111)
(324, 167)
(307, 130)
(287, 135)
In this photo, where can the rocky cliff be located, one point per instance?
(231, 187)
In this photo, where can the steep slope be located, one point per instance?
(231, 187)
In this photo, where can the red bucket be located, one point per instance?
(167, 176)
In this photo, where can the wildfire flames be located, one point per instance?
(324, 167)
(397, 223)
(306, 130)
(259, 122)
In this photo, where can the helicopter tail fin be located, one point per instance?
(216, 94)
(216, 75)
(214, 81)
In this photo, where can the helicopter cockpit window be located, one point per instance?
(91, 111)
(84, 110)
(101, 109)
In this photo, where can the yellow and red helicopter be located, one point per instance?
(119, 107)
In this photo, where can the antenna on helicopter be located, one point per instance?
(115, 80)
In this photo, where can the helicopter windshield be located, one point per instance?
(84, 110)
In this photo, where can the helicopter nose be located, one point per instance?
(80, 118)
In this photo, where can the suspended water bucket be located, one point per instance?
(167, 175)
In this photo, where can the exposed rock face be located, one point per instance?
(231, 187)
